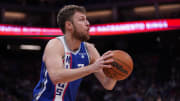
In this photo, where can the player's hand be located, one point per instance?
(103, 62)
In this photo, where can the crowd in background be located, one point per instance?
(20, 74)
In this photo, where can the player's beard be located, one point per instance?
(80, 36)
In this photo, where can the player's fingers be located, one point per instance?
(108, 52)
(107, 66)
(105, 57)
(108, 61)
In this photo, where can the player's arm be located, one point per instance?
(53, 54)
(107, 82)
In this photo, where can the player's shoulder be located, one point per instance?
(54, 46)
(89, 45)
(55, 43)
(92, 51)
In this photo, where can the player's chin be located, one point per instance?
(86, 37)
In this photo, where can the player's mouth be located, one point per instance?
(88, 29)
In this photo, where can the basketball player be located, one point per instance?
(69, 58)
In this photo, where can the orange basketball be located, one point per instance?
(122, 66)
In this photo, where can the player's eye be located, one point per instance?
(82, 19)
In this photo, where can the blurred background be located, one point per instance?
(156, 55)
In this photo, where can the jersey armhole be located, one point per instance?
(61, 41)
(87, 51)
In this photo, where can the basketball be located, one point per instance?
(122, 66)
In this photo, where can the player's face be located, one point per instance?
(80, 26)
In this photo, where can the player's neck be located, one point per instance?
(73, 44)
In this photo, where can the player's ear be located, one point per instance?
(68, 25)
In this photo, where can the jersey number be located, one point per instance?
(80, 65)
(59, 89)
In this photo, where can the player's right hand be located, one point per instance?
(103, 62)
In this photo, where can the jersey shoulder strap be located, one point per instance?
(61, 38)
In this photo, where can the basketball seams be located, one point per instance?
(117, 72)
(112, 73)
(122, 62)
(122, 66)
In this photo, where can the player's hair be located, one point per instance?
(66, 13)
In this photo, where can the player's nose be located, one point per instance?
(87, 23)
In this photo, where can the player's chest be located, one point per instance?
(75, 60)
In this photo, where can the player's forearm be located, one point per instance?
(109, 83)
(67, 75)
(106, 82)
